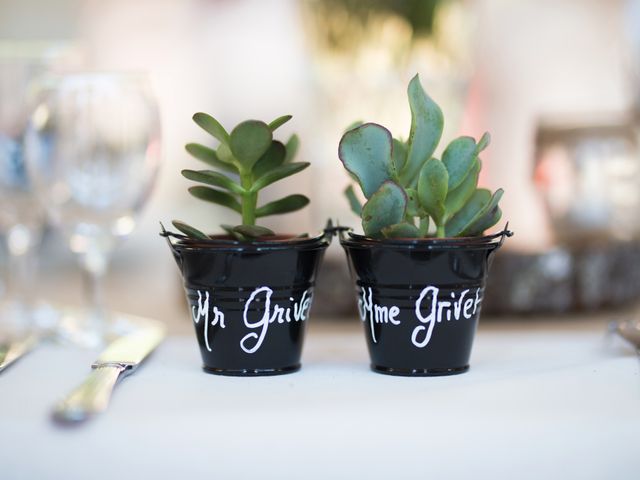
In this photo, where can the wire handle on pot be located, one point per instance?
(330, 231)
(166, 234)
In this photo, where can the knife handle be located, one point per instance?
(90, 397)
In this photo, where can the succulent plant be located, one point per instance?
(409, 192)
(251, 160)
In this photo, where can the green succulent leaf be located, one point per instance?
(399, 154)
(272, 158)
(426, 129)
(483, 143)
(253, 231)
(487, 218)
(487, 221)
(209, 156)
(211, 126)
(458, 157)
(424, 226)
(401, 230)
(290, 203)
(353, 125)
(249, 141)
(216, 196)
(225, 155)
(365, 152)
(213, 178)
(292, 148)
(468, 214)
(354, 202)
(189, 231)
(457, 198)
(229, 229)
(432, 188)
(278, 173)
(278, 122)
(386, 207)
(413, 204)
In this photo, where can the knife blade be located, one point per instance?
(121, 358)
(14, 349)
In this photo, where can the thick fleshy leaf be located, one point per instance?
(253, 231)
(424, 226)
(211, 126)
(485, 223)
(386, 207)
(278, 122)
(483, 143)
(401, 230)
(290, 203)
(354, 201)
(249, 141)
(209, 156)
(426, 129)
(278, 173)
(216, 196)
(225, 155)
(365, 152)
(471, 211)
(213, 178)
(228, 228)
(399, 155)
(432, 188)
(292, 148)
(413, 204)
(189, 231)
(353, 125)
(487, 218)
(458, 197)
(272, 158)
(458, 157)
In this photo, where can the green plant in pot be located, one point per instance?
(423, 261)
(249, 290)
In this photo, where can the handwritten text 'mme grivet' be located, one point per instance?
(429, 310)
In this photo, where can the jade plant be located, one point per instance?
(251, 160)
(410, 193)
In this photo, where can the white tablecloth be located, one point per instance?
(537, 403)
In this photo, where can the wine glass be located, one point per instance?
(21, 217)
(93, 153)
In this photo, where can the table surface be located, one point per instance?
(540, 401)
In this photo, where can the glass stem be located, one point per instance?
(94, 268)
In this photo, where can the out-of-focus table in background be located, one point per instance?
(542, 400)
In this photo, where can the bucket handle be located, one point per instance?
(169, 235)
(330, 231)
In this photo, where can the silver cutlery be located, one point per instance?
(630, 331)
(12, 350)
(121, 358)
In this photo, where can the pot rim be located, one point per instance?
(486, 242)
(182, 242)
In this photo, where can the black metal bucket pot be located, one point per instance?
(249, 301)
(420, 299)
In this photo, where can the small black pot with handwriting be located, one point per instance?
(249, 301)
(420, 299)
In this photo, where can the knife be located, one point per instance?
(121, 358)
(14, 349)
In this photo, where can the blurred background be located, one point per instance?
(556, 82)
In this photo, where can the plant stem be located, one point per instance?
(249, 200)
(440, 231)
